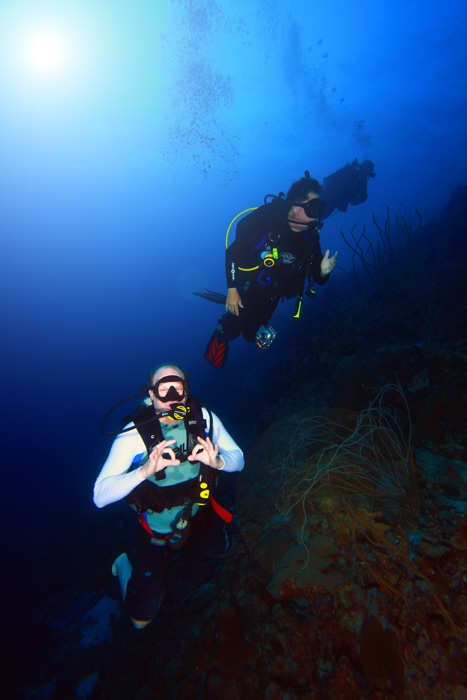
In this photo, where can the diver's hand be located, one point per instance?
(233, 302)
(328, 264)
(206, 453)
(157, 462)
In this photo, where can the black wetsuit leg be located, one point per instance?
(252, 322)
(210, 534)
(258, 307)
(146, 587)
(231, 326)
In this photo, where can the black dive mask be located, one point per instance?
(314, 208)
(175, 410)
(172, 395)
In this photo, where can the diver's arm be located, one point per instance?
(249, 232)
(229, 451)
(317, 259)
(115, 480)
(328, 264)
(233, 303)
(230, 268)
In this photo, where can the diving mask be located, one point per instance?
(173, 393)
(314, 208)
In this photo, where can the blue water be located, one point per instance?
(121, 170)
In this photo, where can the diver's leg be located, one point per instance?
(258, 313)
(217, 541)
(228, 328)
(146, 586)
(210, 534)
(122, 569)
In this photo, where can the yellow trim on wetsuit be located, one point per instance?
(243, 269)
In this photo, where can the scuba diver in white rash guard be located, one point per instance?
(164, 463)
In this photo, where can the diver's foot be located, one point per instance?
(120, 562)
(122, 569)
(217, 348)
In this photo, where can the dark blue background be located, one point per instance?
(120, 174)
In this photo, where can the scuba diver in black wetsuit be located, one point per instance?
(348, 185)
(275, 252)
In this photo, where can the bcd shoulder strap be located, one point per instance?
(150, 496)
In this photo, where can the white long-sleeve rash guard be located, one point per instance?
(116, 481)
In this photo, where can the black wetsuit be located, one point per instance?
(266, 232)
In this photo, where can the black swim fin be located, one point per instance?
(84, 603)
(217, 349)
(216, 297)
